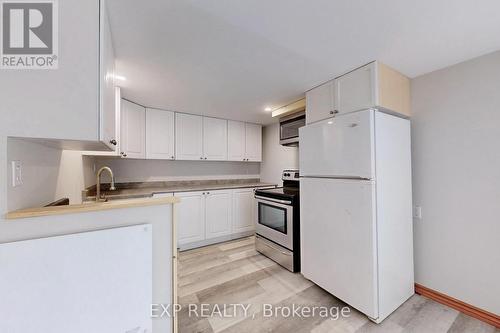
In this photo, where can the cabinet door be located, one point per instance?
(133, 125)
(253, 142)
(320, 103)
(243, 210)
(108, 124)
(188, 137)
(355, 90)
(218, 207)
(190, 217)
(160, 142)
(214, 139)
(235, 140)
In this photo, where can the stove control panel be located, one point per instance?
(290, 175)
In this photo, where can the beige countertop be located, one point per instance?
(148, 189)
(89, 207)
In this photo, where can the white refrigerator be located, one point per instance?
(356, 210)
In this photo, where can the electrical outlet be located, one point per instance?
(17, 174)
(417, 212)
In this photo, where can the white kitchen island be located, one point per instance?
(147, 229)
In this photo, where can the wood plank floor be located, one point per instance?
(234, 273)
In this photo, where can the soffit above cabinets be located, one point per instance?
(288, 109)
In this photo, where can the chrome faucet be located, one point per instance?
(98, 186)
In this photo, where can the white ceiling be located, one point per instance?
(231, 58)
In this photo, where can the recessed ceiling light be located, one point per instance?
(268, 108)
(120, 78)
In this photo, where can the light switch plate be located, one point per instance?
(17, 174)
(417, 212)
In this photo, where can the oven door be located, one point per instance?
(274, 220)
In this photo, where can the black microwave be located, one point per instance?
(289, 128)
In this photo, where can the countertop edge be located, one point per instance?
(186, 189)
(89, 207)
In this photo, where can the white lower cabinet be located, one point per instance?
(243, 210)
(190, 217)
(218, 207)
(209, 217)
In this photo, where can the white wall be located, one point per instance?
(60, 103)
(40, 167)
(76, 172)
(131, 170)
(48, 174)
(456, 180)
(275, 157)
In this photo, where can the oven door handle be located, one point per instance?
(284, 202)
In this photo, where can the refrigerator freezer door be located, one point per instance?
(338, 239)
(340, 147)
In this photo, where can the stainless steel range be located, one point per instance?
(278, 222)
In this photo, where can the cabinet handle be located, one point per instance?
(124, 155)
(205, 158)
(113, 142)
(201, 158)
(334, 111)
(172, 157)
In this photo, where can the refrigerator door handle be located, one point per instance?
(337, 177)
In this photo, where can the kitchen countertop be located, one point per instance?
(147, 189)
(89, 207)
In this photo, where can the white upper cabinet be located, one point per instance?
(70, 94)
(108, 125)
(188, 137)
(374, 85)
(133, 127)
(191, 217)
(253, 142)
(320, 102)
(236, 140)
(356, 90)
(214, 139)
(244, 141)
(160, 134)
(218, 208)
